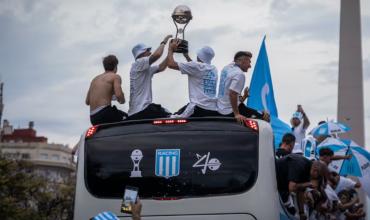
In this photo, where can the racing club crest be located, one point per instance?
(167, 162)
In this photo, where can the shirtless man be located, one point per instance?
(103, 89)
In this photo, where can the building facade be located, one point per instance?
(53, 161)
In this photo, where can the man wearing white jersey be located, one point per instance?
(141, 74)
(343, 183)
(299, 124)
(326, 156)
(229, 102)
(202, 80)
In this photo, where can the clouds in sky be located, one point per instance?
(50, 50)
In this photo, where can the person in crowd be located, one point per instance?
(202, 82)
(341, 183)
(333, 203)
(315, 195)
(300, 123)
(314, 201)
(293, 176)
(231, 86)
(326, 155)
(336, 206)
(352, 210)
(141, 74)
(286, 145)
(136, 210)
(103, 89)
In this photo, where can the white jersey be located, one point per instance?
(332, 196)
(141, 85)
(345, 183)
(202, 82)
(232, 78)
(299, 133)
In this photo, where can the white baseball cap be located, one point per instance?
(139, 49)
(206, 54)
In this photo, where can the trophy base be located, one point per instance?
(183, 47)
(135, 174)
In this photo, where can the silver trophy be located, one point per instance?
(181, 16)
(136, 157)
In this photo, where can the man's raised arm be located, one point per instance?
(159, 51)
(171, 63)
(163, 65)
(306, 121)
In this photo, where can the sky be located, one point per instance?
(51, 50)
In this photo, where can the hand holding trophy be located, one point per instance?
(181, 17)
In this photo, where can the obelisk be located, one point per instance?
(350, 79)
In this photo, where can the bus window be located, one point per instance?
(172, 161)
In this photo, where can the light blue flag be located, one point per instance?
(262, 94)
(261, 90)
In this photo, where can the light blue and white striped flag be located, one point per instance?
(105, 216)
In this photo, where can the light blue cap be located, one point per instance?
(139, 49)
(206, 54)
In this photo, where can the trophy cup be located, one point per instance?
(136, 157)
(181, 16)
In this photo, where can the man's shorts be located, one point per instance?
(151, 112)
(109, 114)
(247, 112)
(192, 110)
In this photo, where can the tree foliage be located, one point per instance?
(26, 195)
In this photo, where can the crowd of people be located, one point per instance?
(309, 188)
(204, 100)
